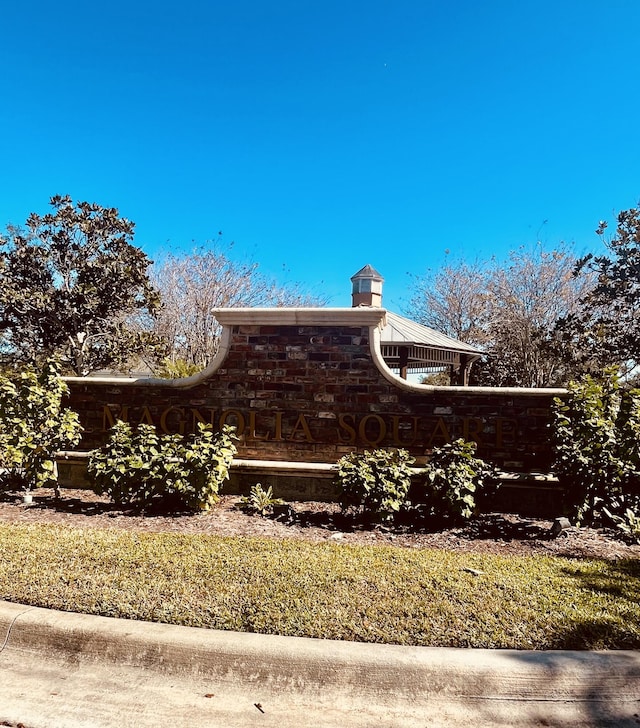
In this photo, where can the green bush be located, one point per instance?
(454, 478)
(375, 482)
(34, 425)
(139, 466)
(176, 369)
(624, 513)
(596, 433)
(378, 483)
(260, 501)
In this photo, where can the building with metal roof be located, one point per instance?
(409, 347)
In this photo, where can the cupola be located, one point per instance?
(366, 288)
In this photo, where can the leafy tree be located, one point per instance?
(510, 310)
(608, 326)
(193, 286)
(69, 284)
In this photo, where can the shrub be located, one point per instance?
(596, 433)
(454, 477)
(260, 501)
(375, 482)
(176, 369)
(136, 467)
(624, 514)
(34, 425)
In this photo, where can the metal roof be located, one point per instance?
(400, 331)
(368, 272)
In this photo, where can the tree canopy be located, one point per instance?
(608, 325)
(70, 282)
(509, 309)
(193, 285)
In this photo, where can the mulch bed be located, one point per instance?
(496, 533)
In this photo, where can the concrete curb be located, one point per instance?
(333, 681)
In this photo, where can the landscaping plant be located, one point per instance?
(138, 466)
(596, 431)
(34, 425)
(260, 501)
(624, 513)
(176, 369)
(376, 482)
(454, 479)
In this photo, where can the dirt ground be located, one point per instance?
(497, 533)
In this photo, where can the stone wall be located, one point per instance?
(308, 385)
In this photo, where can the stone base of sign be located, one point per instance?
(290, 481)
(72, 472)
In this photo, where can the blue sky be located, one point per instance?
(321, 136)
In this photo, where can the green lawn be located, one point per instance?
(370, 594)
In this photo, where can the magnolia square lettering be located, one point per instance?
(368, 430)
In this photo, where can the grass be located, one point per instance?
(337, 591)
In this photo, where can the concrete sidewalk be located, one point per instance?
(60, 670)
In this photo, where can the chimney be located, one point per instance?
(367, 288)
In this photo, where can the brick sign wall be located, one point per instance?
(308, 385)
